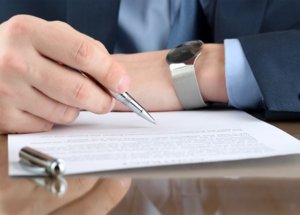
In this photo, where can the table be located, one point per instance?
(262, 186)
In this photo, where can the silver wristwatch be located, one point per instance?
(181, 61)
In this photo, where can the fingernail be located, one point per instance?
(125, 182)
(48, 126)
(70, 114)
(123, 84)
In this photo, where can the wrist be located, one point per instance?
(210, 73)
(181, 62)
(151, 82)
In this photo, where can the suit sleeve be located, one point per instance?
(275, 61)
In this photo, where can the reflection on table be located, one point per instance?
(211, 197)
(226, 196)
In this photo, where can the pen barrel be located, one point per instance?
(125, 99)
(128, 101)
(37, 159)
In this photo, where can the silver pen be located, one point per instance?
(38, 162)
(128, 101)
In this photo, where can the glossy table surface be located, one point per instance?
(264, 186)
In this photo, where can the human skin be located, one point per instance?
(37, 90)
(151, 81)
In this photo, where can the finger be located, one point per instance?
(71, 29)
(46, 108)
(16, 121)
(100, 200)
(77, 51)
(69, 87)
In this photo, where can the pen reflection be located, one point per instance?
(69, 195)
(56, 195)
(152, 196)
(55, 185)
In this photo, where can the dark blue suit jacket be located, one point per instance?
(269, 31)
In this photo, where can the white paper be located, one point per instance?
(123, 140)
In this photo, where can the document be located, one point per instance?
(121, 140)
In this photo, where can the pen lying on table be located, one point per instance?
(41, 163)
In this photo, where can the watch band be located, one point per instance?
(186, 86)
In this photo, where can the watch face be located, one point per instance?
(185, 53)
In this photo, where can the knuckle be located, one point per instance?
(82, 53)
(80, 91)
(10, 60)
(18, 26)
(60, 23)
(6, 92)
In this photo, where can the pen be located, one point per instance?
(128, 101)
(39, 162)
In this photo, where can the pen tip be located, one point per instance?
(148, 117)
(153, 121)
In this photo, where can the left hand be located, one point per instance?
(151, 81)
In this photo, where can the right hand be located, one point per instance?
(37, 90)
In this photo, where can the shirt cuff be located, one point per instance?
(242, 89)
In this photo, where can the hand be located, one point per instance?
(151, 82)
(37, 89)
(85, 194)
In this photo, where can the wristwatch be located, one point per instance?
(181, 62)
